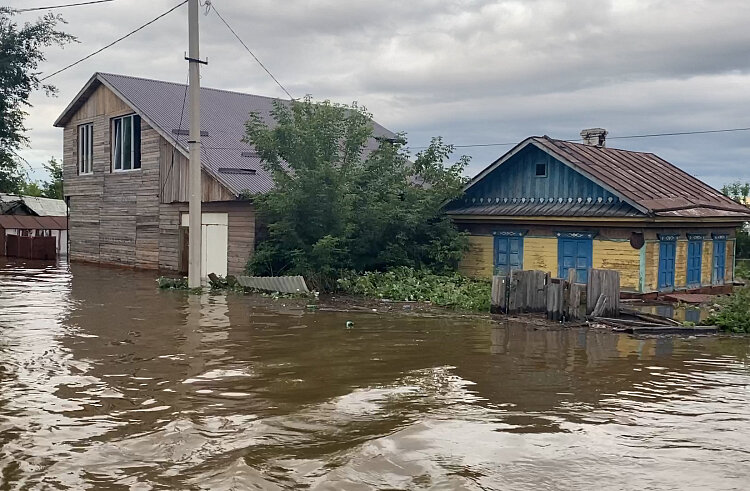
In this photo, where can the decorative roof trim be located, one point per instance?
(695, 236)
(720, 236)
(668, 237)
(509, 233)
(576, 235)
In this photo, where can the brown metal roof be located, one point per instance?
(645, 179)
(33, 223)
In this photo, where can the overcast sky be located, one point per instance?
(472, 71)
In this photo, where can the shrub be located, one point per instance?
(407, 284)
(733, 314)
(346, 200)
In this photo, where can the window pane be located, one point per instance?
(90, 159)
(117, 145)
(127, 142)
(136, 142)
(80, 149)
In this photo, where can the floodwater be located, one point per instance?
(106, 382)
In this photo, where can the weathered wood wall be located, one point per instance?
(477, 261)
(121, 217)
(241, 233)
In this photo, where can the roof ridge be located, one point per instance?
(597, 146)
(184, 85)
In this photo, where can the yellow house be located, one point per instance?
(554, 205)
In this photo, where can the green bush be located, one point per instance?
(407, 284)
(743, 269)
(346, 200)
(733, 314)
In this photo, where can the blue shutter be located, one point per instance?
(720, 261)
(694, 262)
(666, 264)
(576, 254)
(508, 254)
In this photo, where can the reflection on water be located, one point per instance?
(107, 382)
(683, 313)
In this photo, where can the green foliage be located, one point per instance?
(743, 269)
(738, 191)
(21, 51)
(166, 283)
(340, 204)
(407, 284)
(54, 187)
(743, 243)
(31, 188)
(733, 314)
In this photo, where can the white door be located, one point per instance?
(214, 242)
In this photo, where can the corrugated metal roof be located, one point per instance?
(223, 117)
(33, 223)
(41, 206)
(646, 179)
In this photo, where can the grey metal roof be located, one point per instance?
(43, 207)
(554, 208)
(223, 117)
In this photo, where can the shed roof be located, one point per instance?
(642, 179)
(223, 116)
(33, 223)
(39, 206)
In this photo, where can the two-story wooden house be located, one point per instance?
(554, 205)
(126, 174)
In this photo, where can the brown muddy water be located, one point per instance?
(108, 383)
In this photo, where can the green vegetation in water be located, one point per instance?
(733, 313)
(406, 284)
(167, 283)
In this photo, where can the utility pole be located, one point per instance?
(194, 176)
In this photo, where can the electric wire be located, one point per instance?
(176, 138)
(51, 7)
(115, 41)
(623, 137)
(213, 7)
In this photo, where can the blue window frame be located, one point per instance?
(720, 259)
(575, 250)
(667, 253)
(694, 259)
(508, 252)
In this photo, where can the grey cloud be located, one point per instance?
(472, 71)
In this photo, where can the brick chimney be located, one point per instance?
(594, 136)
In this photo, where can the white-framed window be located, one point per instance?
(85, 148)
(126, 143)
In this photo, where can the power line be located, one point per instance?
(679, 133)
(115, 41)
(211, 5)
(32, 9)
(649, 135)
(176, 137)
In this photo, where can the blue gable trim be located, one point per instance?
(516, 182)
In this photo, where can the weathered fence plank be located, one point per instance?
(498, 300)
(603, 282)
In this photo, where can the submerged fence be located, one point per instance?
(560, 299)
(30, 247)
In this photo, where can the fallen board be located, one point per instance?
(670, 330)
(281, 284)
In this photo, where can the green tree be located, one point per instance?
(21, 51)
(31, 188)
(739, 192)
(344, 201)
(53, 188)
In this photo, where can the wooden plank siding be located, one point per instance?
(477, 261)
(619, 256)
(540, 253)
(123, 218)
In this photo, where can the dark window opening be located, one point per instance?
(541, 170)
(236, 170)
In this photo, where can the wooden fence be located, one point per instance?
(560, 299)
(31, 247)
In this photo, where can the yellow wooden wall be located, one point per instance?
(477, 261)
(620, 256)
(707, 262)
(680, 264)
(540, 253)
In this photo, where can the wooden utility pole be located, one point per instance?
(194, 265)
